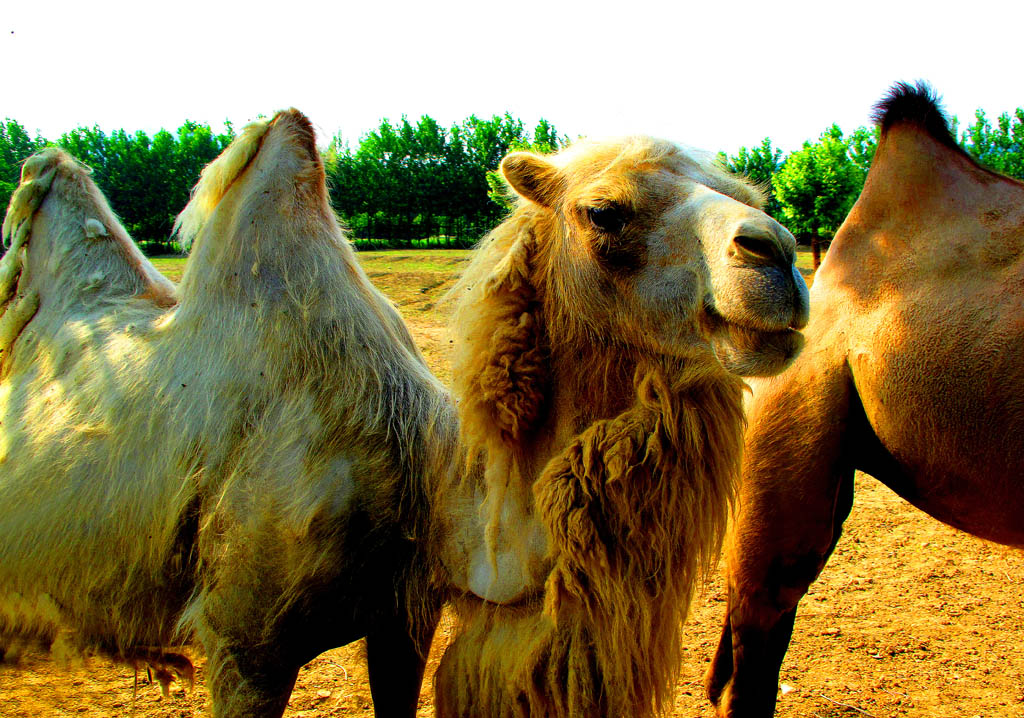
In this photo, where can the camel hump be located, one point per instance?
(917, 106)
(66, 247)
(260, 217)
(294, 135)
(215, 180)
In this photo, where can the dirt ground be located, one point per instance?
(909, 618)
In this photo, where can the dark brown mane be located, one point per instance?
(916, 105)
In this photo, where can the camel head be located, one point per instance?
(624, 259)
(652, 247)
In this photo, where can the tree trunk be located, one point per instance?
(816, 250)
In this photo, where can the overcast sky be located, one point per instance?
(712, 74)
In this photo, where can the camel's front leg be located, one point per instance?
(396, 657)
(797, 490)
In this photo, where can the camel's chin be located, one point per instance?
(754, 352)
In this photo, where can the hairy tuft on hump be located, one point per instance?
(219, 175)
(36, 177)
(215, 180)
(917, 105)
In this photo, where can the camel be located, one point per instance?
(224, 460)
(910, 374)
(260, 462)
(600, 334)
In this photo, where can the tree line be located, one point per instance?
(408, 184)
(146, 179)
(411, 183)
(404, 185)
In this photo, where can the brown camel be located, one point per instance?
(599, 333)
(914, 359)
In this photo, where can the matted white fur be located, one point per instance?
(36, 177)
(94, 228)
(243, 461)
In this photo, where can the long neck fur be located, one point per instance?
(635, 508)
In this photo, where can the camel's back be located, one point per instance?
(922, 292)
(85, 403)
(80, 306)
(142, 445)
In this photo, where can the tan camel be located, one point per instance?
(260, 460)
(227, 460)
(912, 371)
(609, 431)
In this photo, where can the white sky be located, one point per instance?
(712, 74)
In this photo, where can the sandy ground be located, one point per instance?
(910, 618)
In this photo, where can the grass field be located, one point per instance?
(170, 266)
(805, 262)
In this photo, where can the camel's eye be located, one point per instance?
(608, 218)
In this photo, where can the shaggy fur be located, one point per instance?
(590, 393)
(268, 466)
(918, 106)
(251, 466)
(915, 105)
(634, 509)
(519, 294)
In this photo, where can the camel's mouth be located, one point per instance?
(750, 351)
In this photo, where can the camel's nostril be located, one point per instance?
(759, 248)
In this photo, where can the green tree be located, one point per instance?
(406, 181)
(863, 143)
(758, 165)
(1000, 147)
(15, 147)
(546, 139)
(816, 186)
(147, 179)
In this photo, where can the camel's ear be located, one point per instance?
(533, 177)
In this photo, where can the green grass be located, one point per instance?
(432, 261)
(805, 259)
(805, 263)
(170, 266)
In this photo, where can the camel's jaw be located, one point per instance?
(750, 351)
(753, 316)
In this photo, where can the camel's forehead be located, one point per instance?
(632, 167)
(623, 156)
